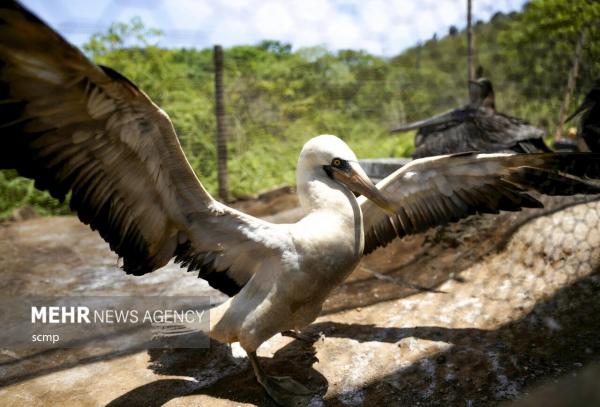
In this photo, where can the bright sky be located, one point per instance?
(382, 27)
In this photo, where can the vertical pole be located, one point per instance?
(221, 125)
(470, 70)
(570, 87)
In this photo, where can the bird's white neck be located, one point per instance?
(331, 210)
(316, 191)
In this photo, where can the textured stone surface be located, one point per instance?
(470, 314)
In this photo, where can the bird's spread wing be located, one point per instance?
(437, 190)
(503, 130)
(439, 121)
(82, 129)
(474, 129)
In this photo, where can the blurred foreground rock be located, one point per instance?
(473, 314)
(23, 213)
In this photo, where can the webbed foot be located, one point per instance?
(286, 391)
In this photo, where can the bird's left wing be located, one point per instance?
(502, 132)
(433, 191)
(82, 129)
(438, 122)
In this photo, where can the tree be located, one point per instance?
(542, 41)
(122, 35)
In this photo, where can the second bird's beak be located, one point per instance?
(580, 109)
(355, 178)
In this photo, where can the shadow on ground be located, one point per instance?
(557, 338)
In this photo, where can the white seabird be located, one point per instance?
(85, 129)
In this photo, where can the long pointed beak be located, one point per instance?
(355, 178)
(580, 109)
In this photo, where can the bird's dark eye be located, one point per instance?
(336, 162)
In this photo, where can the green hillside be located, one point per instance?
(277, 98)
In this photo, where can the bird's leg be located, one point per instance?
(284, 390)
(301, 336)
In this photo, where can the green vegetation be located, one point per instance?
(277, 98)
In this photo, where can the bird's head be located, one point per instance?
(329, 156)
(481, 93)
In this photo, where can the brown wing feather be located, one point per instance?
(434, 191)
(76, 127)
(477, 129)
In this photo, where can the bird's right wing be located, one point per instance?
(444, 133)
(474, 129)
(502, 131)
(433, 191)
(78, 128)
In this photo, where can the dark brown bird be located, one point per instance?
(588, 134)
(475, 127)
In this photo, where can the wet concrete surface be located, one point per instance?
(474, 314)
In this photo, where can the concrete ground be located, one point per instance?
(473, 314)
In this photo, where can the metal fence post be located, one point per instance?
(469, 43)
(221, 125)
